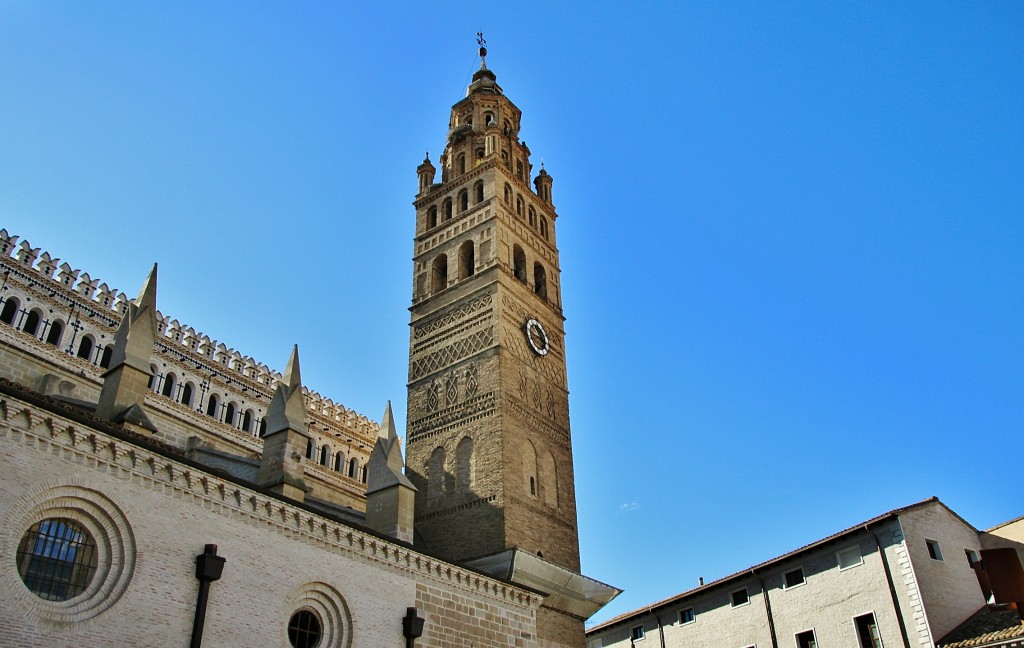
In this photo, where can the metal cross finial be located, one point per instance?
(481, 41)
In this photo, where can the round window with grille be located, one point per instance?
(57, 559)
(304, 629)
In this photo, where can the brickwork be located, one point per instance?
(279, 556)
(489, 448)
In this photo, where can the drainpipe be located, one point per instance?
(209, 567)
(892, 587)
(412, 627)
(767, 608)
(661, 630)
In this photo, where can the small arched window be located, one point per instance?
(362, 474)
(439, 273)
(519, 263)
(211, 406)
(519, 169)
(432, 217)
(339, 462)
(54, 334)
(460, 164)
(488, 119)
(463, 200)
(325, 455)
(32, 322)
(532, 217)
(247, 420)
(448, 209)
(10, 311)
(544, 227)
(478, 190)
(186, 394)
(519, 206)
(169, 383)
(154, 374)
(353, 468)
(229, 413)
(508, 194)
(467, 260)
(540, 280)
(108, 351)
(85, 348)
(309, 448)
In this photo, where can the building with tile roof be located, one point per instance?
(909, 577)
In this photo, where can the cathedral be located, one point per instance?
(159, 487)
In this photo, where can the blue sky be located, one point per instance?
(791, 232)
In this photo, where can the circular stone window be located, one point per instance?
(69, 553)
(57, 559)
(304, 629)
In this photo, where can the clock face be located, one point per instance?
(537, 337)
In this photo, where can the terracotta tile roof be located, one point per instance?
(746, 572)
(989, 626)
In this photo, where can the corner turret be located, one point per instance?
(390, 496)
(283, 464)
(126, 382)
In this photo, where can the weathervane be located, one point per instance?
(483, 50)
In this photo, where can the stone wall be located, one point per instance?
(281, 557)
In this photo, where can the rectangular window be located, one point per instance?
(933, 549)
(794, 577)
(740, 597)
(972, 557)
(686, 616)
(806, 640)
(867, 631)
(849, 557)
(637, 633)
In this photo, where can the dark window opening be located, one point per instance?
(867, 631)
(32, 323)
(53, 337)
(108, 351)
(10, 311)
(211, 406)
(304, 629)
(432, 217)
(806, 640)
(85, 348)
(168, 389)
(740, 597)
(57, 559)
(540, 280)
(519, 263)
(794, 578)
(186, 395)
(467, 260)
(324, 456)
(439, 274)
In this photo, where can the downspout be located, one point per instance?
(209, 567)
(661, 631)
(892, 587)
(767, 609)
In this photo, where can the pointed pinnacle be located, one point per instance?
(147, 296)
(387, 425)
(292, 377)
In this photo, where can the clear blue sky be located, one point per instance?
(791, 232)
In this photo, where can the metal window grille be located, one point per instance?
(57, 559)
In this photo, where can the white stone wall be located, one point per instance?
(276, 553)
(949, 588)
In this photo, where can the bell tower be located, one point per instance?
(488, 442)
